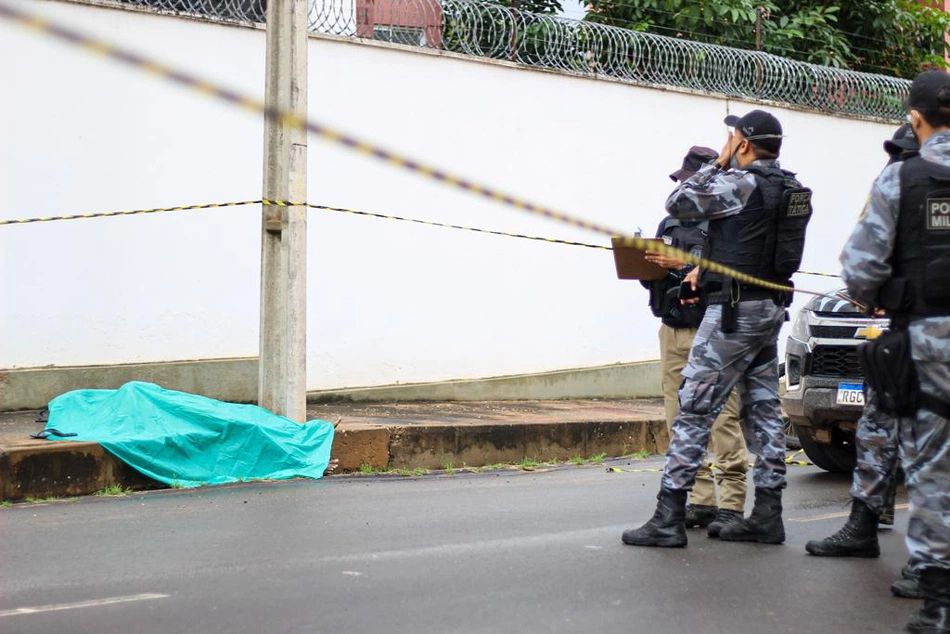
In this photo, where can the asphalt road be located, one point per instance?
(493, 552)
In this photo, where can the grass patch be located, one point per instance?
(597, 459)
(6, 503)
(640, 455)
(578, 460)
(448, 467)
(528, 464)
(112, 490)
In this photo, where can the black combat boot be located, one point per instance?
(723, 517)
(908, 587)
(934, 617)
(764, 524)
(857, 538)
(700, 515)
(667, 527)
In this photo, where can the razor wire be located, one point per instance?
(486, 29)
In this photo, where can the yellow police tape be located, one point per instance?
(431, 223)
(132, 212)
(293, 120)
(369, 214)
(789, 460)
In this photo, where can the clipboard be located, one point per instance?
(630, 262)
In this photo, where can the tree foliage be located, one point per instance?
(896, 37)
(533, 6)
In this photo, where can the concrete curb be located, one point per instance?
(428, 436)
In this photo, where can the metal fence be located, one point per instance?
(484, 29)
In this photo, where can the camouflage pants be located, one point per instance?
(726, 438)
(718, 361)
(876, 444)
(926, 445)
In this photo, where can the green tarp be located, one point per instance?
(188, 440)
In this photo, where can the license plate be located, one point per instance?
(851, 394)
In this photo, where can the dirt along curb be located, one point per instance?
(371, 437)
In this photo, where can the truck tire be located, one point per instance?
(835, 457)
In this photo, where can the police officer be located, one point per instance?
(898, 257)
(746, 197)
(876, 443)
(677, 330)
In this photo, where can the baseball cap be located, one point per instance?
(694, 159)
(903, 139)
(930, 89)
(759, 128)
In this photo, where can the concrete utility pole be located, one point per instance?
(282, 375)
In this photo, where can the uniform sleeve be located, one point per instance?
(711, 193)
(865, 259)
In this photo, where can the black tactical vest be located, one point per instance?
(764, 240)
(922, 249)
(664, 293)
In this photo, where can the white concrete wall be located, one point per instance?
(389, 302)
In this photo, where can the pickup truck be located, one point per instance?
(824, 385)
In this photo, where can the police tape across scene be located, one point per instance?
(356, 144)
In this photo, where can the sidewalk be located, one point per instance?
(401, 435)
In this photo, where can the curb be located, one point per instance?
(47, 469)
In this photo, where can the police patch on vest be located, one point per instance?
(938, 214)
(799, 204)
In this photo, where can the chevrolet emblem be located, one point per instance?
(868, 332)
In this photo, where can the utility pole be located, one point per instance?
(282, 373)
(758, 47)
(758, 28)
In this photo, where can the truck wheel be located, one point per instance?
(834, 457)
(842, 454)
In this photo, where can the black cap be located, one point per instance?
(694, 159)
(903, 140)
(759, 128)
(930, 89)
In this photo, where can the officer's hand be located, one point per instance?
(726, 153)
(665, 261)
(693, 278)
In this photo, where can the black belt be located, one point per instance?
(747, 293)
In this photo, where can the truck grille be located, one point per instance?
(833, 332)
(836, 361)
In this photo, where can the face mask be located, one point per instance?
(733, 161)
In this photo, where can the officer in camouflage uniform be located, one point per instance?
(876, 443)
(898, 257)
(678, 328)
(735, 345)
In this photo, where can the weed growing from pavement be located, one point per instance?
(112, 490)
(528, 464)
(448, 467)
(32, 500)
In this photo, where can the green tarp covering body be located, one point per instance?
(188, 440)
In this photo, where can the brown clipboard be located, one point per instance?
(631, 264)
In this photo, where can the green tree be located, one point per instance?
(899, 37)
(533, 6)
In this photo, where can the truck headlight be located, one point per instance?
(800, 326)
